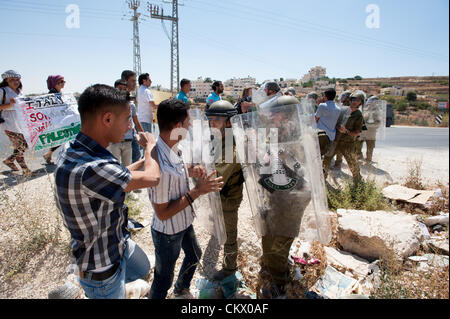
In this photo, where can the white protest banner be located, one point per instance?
(49, 120)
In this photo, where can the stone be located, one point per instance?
(356, 265)
(372, 235)
(436, 260)
(433, 220)
(439, 245)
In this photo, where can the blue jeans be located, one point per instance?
(133, 265)
(167, 251)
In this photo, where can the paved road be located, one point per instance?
(416, 137)
(396, 136)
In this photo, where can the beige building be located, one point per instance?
(200, 89)
(314, 74)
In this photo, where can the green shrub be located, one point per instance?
(366, 195)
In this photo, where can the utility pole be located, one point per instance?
(174, 47)
(134, 5)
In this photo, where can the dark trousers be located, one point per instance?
(167, 251)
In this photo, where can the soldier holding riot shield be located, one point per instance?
(374, 111)
(219, 114)
(279, 181)
(349, 133)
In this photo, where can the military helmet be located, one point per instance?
(221, 108)
(272, 86)
(274, 105)
(360, 95)
(312, 95)
(345, 95)
(373, 98)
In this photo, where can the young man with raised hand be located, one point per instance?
(90, 193)
(172, 201)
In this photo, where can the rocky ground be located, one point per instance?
(34, 258)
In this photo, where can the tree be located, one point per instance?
(308, 84)
(208, 80)
(401, 106)
(281, 79)
(358, 78)
(411, 96)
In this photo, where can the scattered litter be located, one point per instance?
(208, 289)
(334, 284)
(308, 262)
(418, 258)
(231, 287)
(398, 192)
(297, 274)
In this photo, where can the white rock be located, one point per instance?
(418, 258)
(356, 265)
(437, 260)
(371, 234)
(433, 220)
(439, 244)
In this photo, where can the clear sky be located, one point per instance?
(265, 39)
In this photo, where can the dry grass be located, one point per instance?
(414, 178)
(399, 280)
(30, 226)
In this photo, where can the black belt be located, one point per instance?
(101, 275)
(128, 140)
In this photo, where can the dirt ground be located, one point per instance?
(47, 269)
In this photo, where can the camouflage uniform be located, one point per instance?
(284, 206)
(231, 198)
(231, 194)
(347, 146)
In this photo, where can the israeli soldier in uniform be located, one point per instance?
(345, 100)
(372, 120)
(286, 196)
(219, 114)
(348, 142)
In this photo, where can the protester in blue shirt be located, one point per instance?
(185, 88)
(326, 117)
(214, 96)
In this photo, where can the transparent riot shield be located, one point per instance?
(374, 113)
(197, 150)
(279, 152)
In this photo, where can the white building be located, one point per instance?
(200, 89)
(314, 74)
(396, 91)
(234, 87)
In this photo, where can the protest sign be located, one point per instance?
(49, 120)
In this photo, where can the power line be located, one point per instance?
(174, 41)
(265, 17)
(134, 5)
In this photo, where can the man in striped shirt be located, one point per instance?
(172, 200)
(90, 194)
